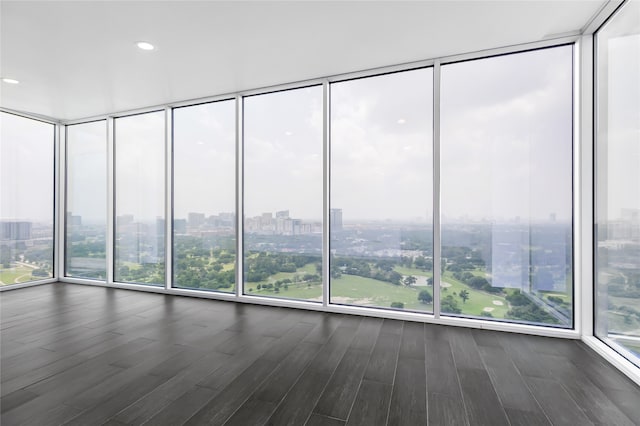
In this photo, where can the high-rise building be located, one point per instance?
(196, 219)
(335, 219)
(15, 230)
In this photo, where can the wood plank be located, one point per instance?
(409, 396)
(223, 405)
(287, 373)
(341, 391)
(383, 360)
(253, 412)
(412, 341)
(296, 406)
(445, 410)
(557, 404)
(507, 381)
(112, 404)
(371, 406)
(318, 420)
(87, 355)
(180, 410)
(526, 418)
(441, 371)
(480, 398)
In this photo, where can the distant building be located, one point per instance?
(15, 230)
(196, 219)
(180, 226)
(335, 219)
(73, 220)
(125, 219)
(282, 214)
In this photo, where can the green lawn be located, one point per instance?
(478, 300)
(348, 289)
(412, 271)
(356, 290)
(8, 276)
(352, 289)
(298, 291)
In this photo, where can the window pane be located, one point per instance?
(26, 199)
(618, 182)
(506, 174)
(139, 198)
(381, 191)
(204, 196)
(86, 220)
(283, 194)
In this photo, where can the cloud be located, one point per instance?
(26, 160)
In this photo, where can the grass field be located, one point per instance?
(478, 300)
(352, 289)
(21, 273)
(356, 290)
(412, 271)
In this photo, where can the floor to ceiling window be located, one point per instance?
(26, 199)
(381, 217)
(618, 182)
(506, 187)
(86, 201)
(139, 143)
(283, 194)
(204, 216)
(506, 204)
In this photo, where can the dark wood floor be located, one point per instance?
(82, 355)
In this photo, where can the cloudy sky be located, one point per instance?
(506, 147)
(26, 169)
(620, 139)
(139, 160)
(506, 136)
(204, 159)
(283, 153)
(381, 147)
(87, 171)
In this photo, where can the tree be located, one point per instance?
(395, 277)
(397, 305)
(409, 280)
(425, 297)
(464, 295)
(478, 282)
(531, 313)
(450, 305)
(518, 299)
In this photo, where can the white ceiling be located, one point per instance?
(78, 59)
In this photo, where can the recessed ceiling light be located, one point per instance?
(402, 121)
(288, 133)
(10, 81)
(145, 45)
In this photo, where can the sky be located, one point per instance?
(204, 159)
(26, 169)
(620, 173)
(283, 153)
(506, 136)
(381, 147)
(87, 171)
(506, 148)
(139, 163)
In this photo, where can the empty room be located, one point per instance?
(320, 212)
